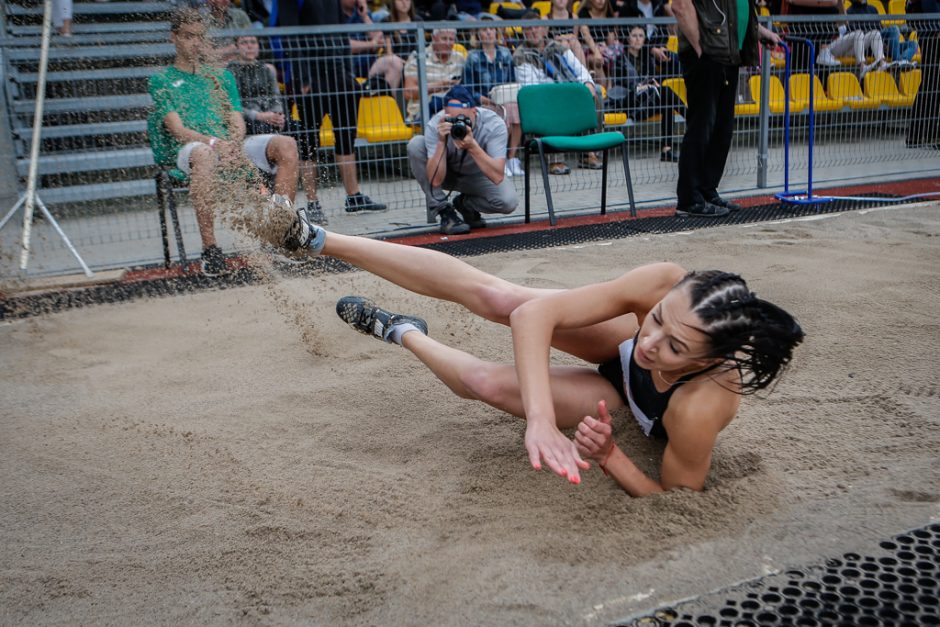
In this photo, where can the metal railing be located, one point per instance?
(96, 167)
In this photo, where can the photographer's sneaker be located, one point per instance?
(470, 216)
(212, 263)
(315, 213)
(451, 223)
(364, 316)
(304, 235)
(360, 202)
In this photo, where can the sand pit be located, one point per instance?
(203, 458)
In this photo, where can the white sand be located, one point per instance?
(242, 455)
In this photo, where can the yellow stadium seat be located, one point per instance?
(763, 11)
(615, 119)
(461, 49)
(910, 83)
(672, 44)
(799, 91)
(575, 7)
(777, 96)
(327, 138)
(897, 7)
(380, 120)
(746, 108)
(494, 7)
(879, 86)
(677, 85)
(544, 7)
(878, 6)
(844, 86)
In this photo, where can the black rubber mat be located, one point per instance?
(894, 585)
(51, 302)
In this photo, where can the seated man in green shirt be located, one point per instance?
(197, 127)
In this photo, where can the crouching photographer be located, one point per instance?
(463, 150)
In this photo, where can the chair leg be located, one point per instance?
(161, 179)
(548, 188)
(604, 185)
(525, 166)
(177, 231)
(629, 179)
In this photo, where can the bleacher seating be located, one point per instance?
(799, 92)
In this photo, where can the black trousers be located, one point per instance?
(925, 114)
(711, 88)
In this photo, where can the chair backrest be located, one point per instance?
(878, 6)
(557, 109)
(544, 7)
(880, 86)
(910, 82)
(844, 85)
(897, 7)
(799, 87)
(777, 93)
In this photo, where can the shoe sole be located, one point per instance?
(363, 315)
(681, 212)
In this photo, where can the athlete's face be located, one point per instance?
(671, 338)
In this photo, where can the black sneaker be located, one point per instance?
(703, 210)
(669, 156)
(360, 202)
(471, 216)
(451, 224)
(315, 213)
(727, 204)
(213, 261)
(364, 316)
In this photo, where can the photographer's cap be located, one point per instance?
(459, 94)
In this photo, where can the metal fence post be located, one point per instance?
(763, 142)
(423, 95)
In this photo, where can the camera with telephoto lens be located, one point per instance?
(460, 126)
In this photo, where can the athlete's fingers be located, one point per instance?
(602, 412)
(535, 457)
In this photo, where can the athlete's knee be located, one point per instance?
(283, 149)
(497, 301)
(485, 383)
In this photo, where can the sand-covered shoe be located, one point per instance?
(366, 317)
(303, 234)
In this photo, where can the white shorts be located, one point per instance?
(255, 147)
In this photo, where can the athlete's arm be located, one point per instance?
(533, 324)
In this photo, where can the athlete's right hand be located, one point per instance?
(546, 443)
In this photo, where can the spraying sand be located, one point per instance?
(242, 455)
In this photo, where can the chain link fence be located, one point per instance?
(353, 97)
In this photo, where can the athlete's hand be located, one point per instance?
(546, 443)
(594, 437)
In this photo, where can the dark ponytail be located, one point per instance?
(756, 336)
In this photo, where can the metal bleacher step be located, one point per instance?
(34, 30)
(98, 191)
(89, 75)
(90, 53)
(81, 105)
(95, 39)
(96, 9)
(103, 129)
(60, 163)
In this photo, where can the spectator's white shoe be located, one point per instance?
(825, 58)
(515, 166)
(507, 171)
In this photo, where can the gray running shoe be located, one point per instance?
(364, 316)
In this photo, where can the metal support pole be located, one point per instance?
(763, 141)
(423, 93)
(30, 199)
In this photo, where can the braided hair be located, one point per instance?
(756, 336)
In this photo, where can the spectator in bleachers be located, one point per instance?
(487, 68)
(602, 43)
(221, 15)
(820, 33)
(643, 96)
(539, 60)
(444, 67)
(402, 42)
(62, 17)
(566, 35)
(463, 149)
(901, 53)
(854, 39)
(711, 61)
(924, 128)
(197, 127)
(258, 11)
(321, 83)
(263, 111)
(657, 37)
(364, 46)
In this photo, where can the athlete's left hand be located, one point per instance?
(594, 437)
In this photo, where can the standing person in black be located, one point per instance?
(716, 37)
(924, 129)
(321, 82)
